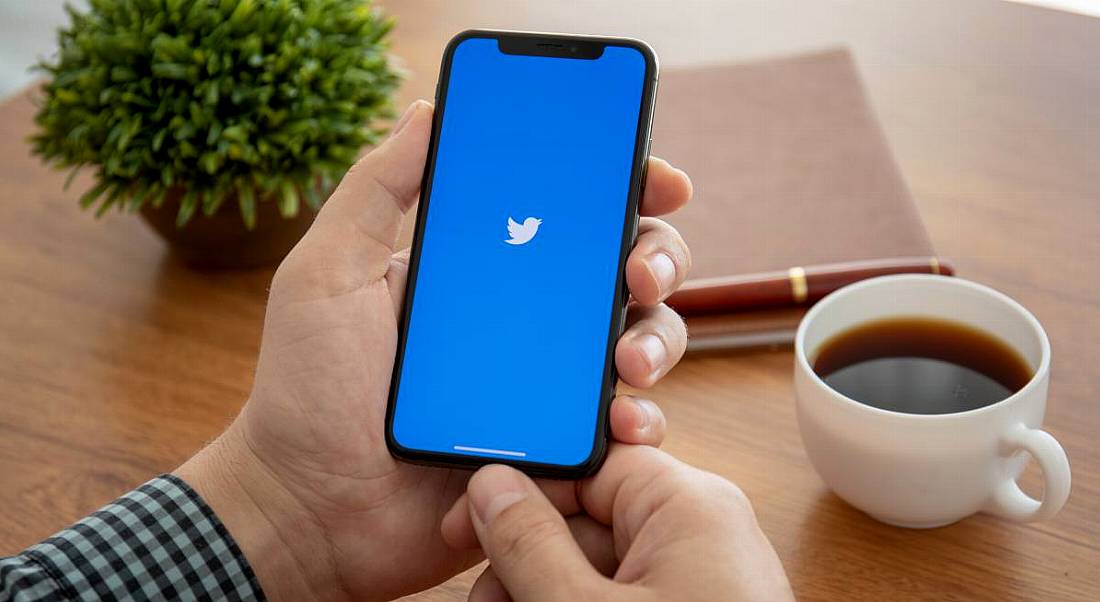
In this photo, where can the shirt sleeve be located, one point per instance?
(160, 541)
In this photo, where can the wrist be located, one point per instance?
(281, 540)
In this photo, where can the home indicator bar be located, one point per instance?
(486, 450)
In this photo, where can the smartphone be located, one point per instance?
(516, 294)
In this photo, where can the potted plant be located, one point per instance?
(223, 122)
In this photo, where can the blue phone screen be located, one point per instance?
(508, 328)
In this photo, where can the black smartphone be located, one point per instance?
(516, 293)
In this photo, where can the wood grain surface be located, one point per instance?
(116, 363)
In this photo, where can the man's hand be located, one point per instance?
(647, 527)
(303, 479)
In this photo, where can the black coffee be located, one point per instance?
(921, 366)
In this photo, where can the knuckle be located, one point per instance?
(644, 458)
(290, 272)
(522, 536)
(723, 500)
(700, 488)
(301, 275)
(361, 164)
(732, 494)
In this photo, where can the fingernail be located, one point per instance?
(654, 350)
(493, 490)
(664, 271)
(405, 117)
(649, 413)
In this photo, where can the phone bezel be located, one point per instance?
(516, 41)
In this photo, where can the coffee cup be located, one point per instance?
(928, 470)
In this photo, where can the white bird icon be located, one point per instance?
(522, 233)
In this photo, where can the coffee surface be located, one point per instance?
(920, 365)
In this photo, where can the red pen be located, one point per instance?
(792, 287)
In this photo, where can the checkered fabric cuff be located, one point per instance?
(160, 541)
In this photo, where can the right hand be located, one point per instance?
(647, 527)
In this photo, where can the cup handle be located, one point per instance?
(1009, 501)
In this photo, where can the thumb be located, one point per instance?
(527, 541)
(360, 222)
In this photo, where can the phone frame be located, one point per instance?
(565, 46)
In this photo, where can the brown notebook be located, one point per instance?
(790, 169)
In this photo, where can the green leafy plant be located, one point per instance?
(220, 99)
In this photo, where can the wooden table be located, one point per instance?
(116, 363)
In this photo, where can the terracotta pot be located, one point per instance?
(221, 241)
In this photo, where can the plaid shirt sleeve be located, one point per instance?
(160, 541)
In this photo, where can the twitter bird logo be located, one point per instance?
(522, 234)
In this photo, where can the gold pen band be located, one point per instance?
(935, 264)
(799, 288)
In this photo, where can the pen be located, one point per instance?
(771, 328)
(792, 287)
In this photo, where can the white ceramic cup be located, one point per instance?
(928, 470)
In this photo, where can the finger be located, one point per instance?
(623, 478)
(636, 481)
(666, 188)
(594, 538)
(644, 492)
(596, 542)
(659, 262)
(488, 588)
(458, 530)
(358, 226)
(637, 421)
(633, 420)
(456, 527)
(526, 539)
(396, 277)
(651, 346)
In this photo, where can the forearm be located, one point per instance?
(221, 527)
(159, 541)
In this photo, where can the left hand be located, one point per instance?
(302, 478)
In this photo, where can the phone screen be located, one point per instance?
(506, 348)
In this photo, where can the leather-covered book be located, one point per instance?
(790, 167)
